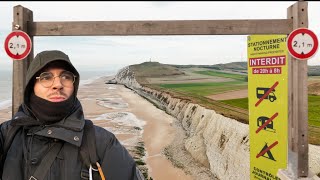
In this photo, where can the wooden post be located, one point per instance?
(22, 18)
(172, 27)
(298, 159)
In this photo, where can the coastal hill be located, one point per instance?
(147, 70)
(233, 66)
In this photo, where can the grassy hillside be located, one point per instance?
(239, 77)
(313, 70)
(232, 65)
(242, 67)
(205, 89)
(153, 69)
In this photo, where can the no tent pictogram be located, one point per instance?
(266, 149)
(267, 93)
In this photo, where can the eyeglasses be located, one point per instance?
(46, 79)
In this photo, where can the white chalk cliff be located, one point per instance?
(217, 142)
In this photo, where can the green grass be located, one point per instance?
(238, 77)
(205, 89)
(242, 102)
(313, 108)
(313, 115)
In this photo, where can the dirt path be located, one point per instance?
(230, 95)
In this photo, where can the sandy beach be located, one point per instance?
(156, 131)
(133, 120)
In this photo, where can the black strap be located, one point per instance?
(88, 150)
(46, 162)
(6, 145)
(10, 136)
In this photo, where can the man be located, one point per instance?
(53, 129)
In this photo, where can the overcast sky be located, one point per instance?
(100, 52)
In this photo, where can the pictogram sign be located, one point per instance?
(18, 45)
(268, 104)
(266, 149)
(268, 122)
(266, 94)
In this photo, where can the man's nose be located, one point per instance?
(57, 83)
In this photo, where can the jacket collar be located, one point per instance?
(69, 129)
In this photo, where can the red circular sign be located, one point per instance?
(18, 45)
(302, 43)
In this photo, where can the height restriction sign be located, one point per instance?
(268, 105)
(18, 45)
(302, 43)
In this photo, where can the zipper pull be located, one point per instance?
(100, 171)
(90, 173)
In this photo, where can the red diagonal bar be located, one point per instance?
(267, 93)
(266, 123)
(267, 149)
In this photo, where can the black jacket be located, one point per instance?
(31, 143)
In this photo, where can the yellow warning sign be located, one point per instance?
(268, 104)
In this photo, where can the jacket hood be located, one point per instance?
(40, 62)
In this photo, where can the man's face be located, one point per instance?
(55, 93)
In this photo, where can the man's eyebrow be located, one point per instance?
(66, 71)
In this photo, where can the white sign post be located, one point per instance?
(18, 45)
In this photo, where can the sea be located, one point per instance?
(6, 83)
